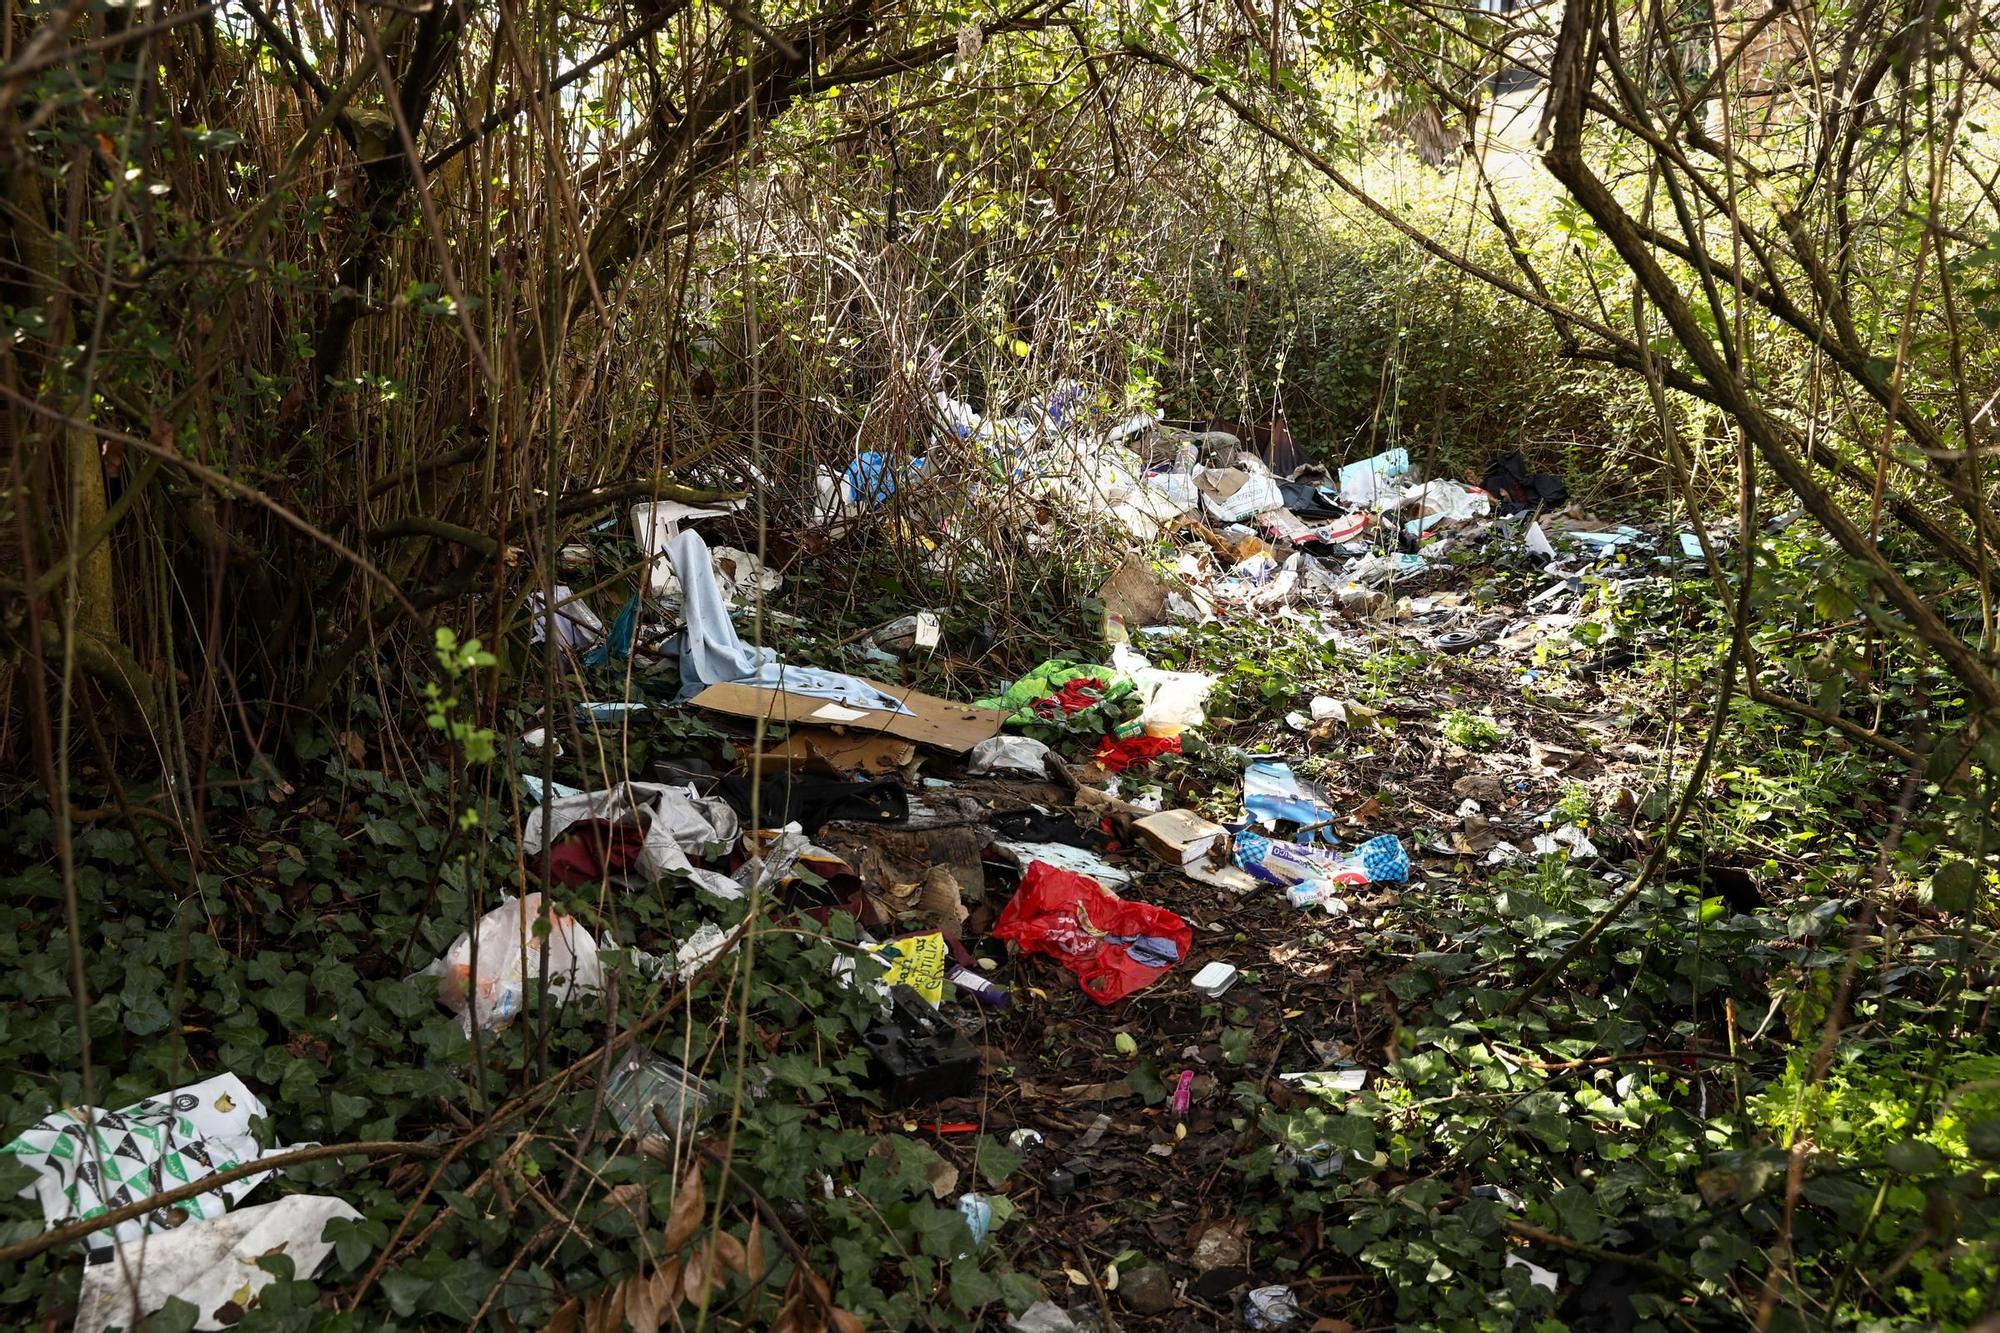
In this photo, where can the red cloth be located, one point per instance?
(1067, 916)
(1115, 756)
(591, 847)
(1073, 697)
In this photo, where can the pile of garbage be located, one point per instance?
(974, 855)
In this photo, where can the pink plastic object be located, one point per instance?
(1183, 1094)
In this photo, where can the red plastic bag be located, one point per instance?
(1069, 917)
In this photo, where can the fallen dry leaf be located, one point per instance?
(684, 1217)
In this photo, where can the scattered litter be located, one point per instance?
(907, 634)
(1115, 755)
(1023, 1139)
(1043, 1317)
(87, 1161)
(713, 653)
(916, 961)
(1568, 838)
(1222, 1245)
(1271, 1307)
(211, 1265)
(1328, 1080)
(917, 717)
(1371, 481)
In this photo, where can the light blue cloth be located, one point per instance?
(713, 653)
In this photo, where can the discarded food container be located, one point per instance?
(640, 1085)
(1216, 978)
(916, 1056)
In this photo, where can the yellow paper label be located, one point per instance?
(917, 962)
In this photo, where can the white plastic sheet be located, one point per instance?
(209, 1264)
(1372, 481)
(678, 824)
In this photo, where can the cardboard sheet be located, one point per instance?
(930, 721)
(838, 750)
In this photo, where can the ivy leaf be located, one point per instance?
(1913, 1157)
(995, 1161)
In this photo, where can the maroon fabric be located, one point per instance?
(591, 848)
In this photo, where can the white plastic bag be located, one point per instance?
(1373, 480)
(1174, 701)
(509, 958)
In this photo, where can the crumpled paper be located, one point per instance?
(141, 1150)
(210, 1265)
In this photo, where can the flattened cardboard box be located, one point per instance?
(930, 721)
(841, 750)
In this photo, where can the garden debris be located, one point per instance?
(885, 858)
(916, 1056)
(211, 1265)
(509, 956)
(1114, 946)
(87, 1160)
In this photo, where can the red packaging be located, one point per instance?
(1068, 917)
